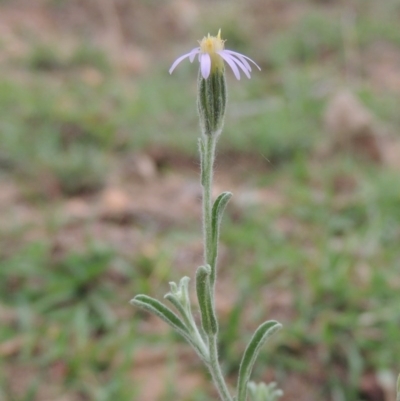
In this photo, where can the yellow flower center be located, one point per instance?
(211, 45)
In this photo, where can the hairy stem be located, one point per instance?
(207, 179)
(207, 161)
(215, 370)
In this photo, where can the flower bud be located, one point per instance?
(211, 101)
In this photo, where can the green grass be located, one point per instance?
(338, 265)
(324, 260)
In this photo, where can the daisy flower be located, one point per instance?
(212, 54)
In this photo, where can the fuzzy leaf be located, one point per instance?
(217, 212)
(166, 314)
(203, 287)
(259, 338)
(174, 301)
(264, 392)
(153, 305)
(179, 297)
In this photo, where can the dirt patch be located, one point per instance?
(382, 66)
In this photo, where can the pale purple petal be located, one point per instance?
(192, 53)
(240, 64)
(205, 65)
(228, 59)
(239, 55)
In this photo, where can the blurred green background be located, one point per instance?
(99, 196)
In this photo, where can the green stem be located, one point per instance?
(207, 149)
(207, 179)
(198, 338)
(215, 370)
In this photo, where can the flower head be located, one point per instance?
(212, 54)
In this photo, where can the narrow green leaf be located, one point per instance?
(179, 297)
(218, 210)
(174, 301)
(216, 217)
(259, 338)
(203, 287)
(264, 392)
(153, 305)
